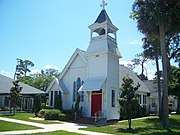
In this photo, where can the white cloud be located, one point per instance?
(35, 71)
(51, 67)
(135, 42)
(138, 69)
(6, 73)
(47, 67)
(151, 76)
(151, 70)
(125, 63)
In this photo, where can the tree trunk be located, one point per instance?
(129, 123)
(10, 107)
(178, 106)
(14, 110)
(165, 75)
(158, 82)
(142, 73)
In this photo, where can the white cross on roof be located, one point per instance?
(103, 4)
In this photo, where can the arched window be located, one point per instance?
(74, 91)
(82, 93)
(76, 86)
(78, 83)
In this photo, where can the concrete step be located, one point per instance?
(86, 120)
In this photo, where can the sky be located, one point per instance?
(47, 32)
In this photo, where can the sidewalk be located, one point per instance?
(66, 126)
(133, 119)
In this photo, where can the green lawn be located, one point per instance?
(11, 126)
(26, 116)
(151, 126)
(57, 133)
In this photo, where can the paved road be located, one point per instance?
(66, 126)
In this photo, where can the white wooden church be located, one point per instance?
(95, 73)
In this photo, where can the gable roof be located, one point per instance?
(153, 87)
(126, 71)
(6, 84)
(79, 52)
(103, 16)
(59, 81)
(60, 84)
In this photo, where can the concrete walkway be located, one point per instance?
(66, 126)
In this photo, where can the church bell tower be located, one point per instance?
(103, 36)
(103, 60)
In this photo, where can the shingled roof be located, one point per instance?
(6, 84)
(103, 16)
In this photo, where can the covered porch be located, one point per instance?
(94, 93)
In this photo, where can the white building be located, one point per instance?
(95, 73)
(27, 94)
(153, 100)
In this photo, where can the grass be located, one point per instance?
(149, 126)
(56, 133)
(26, 116)
(11, 126)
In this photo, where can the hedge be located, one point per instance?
(52, 114)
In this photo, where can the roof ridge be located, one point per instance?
(103, 16)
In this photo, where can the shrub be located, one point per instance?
(6, 109)
(49, 107)
(55, 114)
(64, 116)
(58, 102)
(37, 104)
(1, 109)
(69, 112)
(139, 112)
(18, 109)
(52, 114)
(143, 108)
(43, 105)
(42, 113)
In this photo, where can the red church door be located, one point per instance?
(96, 103)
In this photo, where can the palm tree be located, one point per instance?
(23, 66)
(161, 18)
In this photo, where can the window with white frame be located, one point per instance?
(76, 86)
(139, 98)
(113, 98)
(51, 100)
(144, 99)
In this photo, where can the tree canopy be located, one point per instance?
(15, 95)
(38, 80)
(23, 67)
(128, 98)
(174, 85)
(159, 18)
(140, 59)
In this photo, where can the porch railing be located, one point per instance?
(98, 115)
